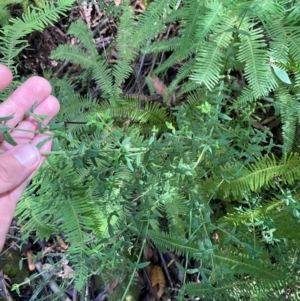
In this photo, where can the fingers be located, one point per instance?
(49, 107)
(5, 76)
(9, 199)
(35, 89)
(16, 165)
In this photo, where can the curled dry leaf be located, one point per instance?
(49, 249)
(61, 243)
(31, 264)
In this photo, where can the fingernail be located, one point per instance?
(26, 154)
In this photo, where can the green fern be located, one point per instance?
(257, 71)
(238, 180)
(12, 36)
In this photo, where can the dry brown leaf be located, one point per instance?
(158, 278)
(268, 119)
(257, 125)
(118, 2)
(112, 286)
(159, 87)
(49, 249)
(61, 243)
(31, 264)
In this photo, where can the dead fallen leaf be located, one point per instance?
(112, 286)
(268, 119)
(49, 249)
(61, 243)
(31, 264)
(158, 279)
(118, 2)
(159, 87)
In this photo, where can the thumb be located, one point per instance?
(16, 165)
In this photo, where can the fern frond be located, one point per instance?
(211, 17)
(4, 13)
(73, 54)
(125, 47)
(74, 216)
(152, 21)
(279, 49)
(208, 65)
(192, 14)
(266, 11)
(253, 276)
(293, 42)
(247, 97)
(174, 243)
(288, 107)
(103, 77)
(137, 111)
(162, 46)
(237, 288)
(183, 73)
(249, 215)
(91, 60)
(211, 54)
(25, 4)
(238, 181)
(80, 30)
(168, 63)
(11, 43)
(257, 70)
(32, 209)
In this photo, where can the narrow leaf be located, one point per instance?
(6, 118)
(8, 138)
(40, 144)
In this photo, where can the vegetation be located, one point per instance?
(197, 172)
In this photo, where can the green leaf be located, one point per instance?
(8, 138)
(129, 165)
(142, 265)
(40, 144)
(6, 118)
(281, 74)
(4, 128)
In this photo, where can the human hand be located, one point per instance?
(19, 163)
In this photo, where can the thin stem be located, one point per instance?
(29, 131)
(134, 270)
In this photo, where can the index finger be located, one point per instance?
(35, 89)
(5, 76)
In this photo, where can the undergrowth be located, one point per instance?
(196, 178)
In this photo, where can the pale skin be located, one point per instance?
(19, 163)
